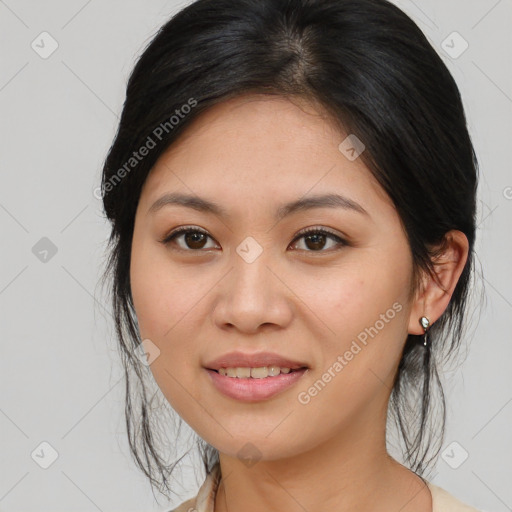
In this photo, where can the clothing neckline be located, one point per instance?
(205, 498)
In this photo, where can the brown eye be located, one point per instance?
(193, 239)
(315, 239)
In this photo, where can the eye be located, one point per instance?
(316, 238)
(194, 238)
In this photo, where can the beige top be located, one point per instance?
(204, 500)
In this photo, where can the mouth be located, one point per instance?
(254, 365)
(254, 384)
(262, 372)
(252, 377)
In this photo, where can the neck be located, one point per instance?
(350, 471)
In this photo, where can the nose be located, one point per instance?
(253, 297)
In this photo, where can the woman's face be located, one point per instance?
(250, 283)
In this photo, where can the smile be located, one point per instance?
(264, 384)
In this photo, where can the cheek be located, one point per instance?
(167, 299)
(364, 303)
(162, 294)
(349, 299)
(162, 300)
(366, 315)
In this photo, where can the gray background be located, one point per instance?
(60, 377)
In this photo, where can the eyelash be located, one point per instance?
(307, 231)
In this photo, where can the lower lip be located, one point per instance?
(253, 390)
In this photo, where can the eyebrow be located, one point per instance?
(303, 204)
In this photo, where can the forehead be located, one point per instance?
(257, 148)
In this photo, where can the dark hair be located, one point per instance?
(375, 74)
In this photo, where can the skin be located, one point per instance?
(305, 301)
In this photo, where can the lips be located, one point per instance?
(254, 389)
(256, 360)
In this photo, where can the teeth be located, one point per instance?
(255, 373)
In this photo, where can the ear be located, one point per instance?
(434, 295)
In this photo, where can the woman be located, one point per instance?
(292, 195)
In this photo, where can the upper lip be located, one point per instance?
(256, 360)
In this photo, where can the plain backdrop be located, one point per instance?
(61, 382)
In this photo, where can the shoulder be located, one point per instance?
(205, 498)
(186, 506)
(443, 501)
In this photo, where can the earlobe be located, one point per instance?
(436, 291)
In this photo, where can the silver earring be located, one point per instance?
(425, 323)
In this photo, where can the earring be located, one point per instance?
(425, 323)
